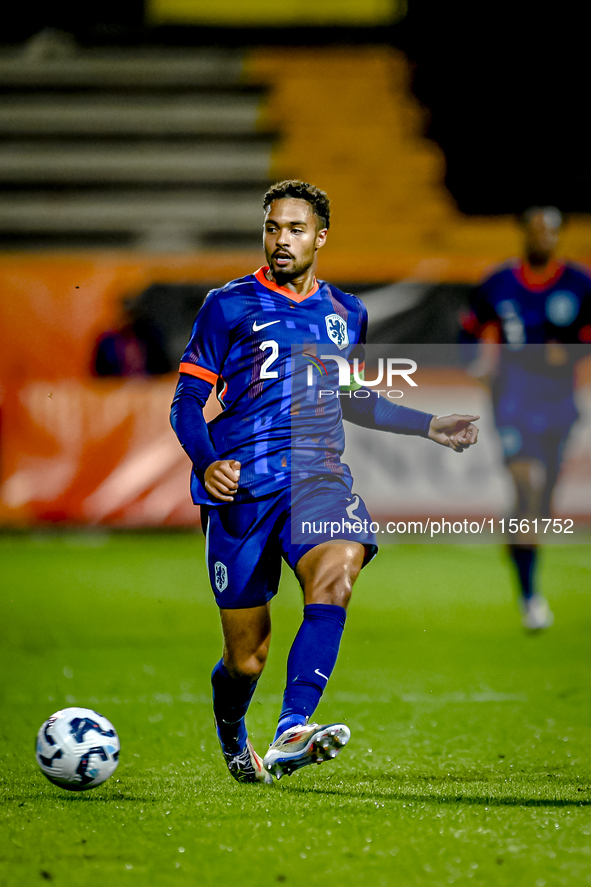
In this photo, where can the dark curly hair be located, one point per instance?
(552, 215)
(317, 199)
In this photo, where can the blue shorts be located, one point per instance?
(533, 413)
(246, 541)
(534, 430)
(522, 443)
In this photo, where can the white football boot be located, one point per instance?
(305, 744)
(248, 766)
(536, 614)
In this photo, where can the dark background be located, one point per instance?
(506, 85)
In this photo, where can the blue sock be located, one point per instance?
(310, 663)
(231, 698)
(525, 560)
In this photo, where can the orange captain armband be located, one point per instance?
(192, 369)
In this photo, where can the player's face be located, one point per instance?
(541, 238)
(291, 238)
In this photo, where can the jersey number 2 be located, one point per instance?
(266, 373)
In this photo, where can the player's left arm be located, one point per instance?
(566, 347)
(372, 411)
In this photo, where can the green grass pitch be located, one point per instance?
(469, 756)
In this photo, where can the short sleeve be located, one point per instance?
(208, 347)
(357, 354)
(358, 350)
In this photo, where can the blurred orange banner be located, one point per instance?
(94, 453)
(99, 452)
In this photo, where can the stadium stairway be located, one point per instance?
(351, 124)
(168, 151)
(157, 150)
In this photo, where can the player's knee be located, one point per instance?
(339, 595)
(328, 572)
(333, 586)
(531, 475)
(246, 666)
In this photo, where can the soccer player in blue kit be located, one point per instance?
(535, 308)
(274, 450)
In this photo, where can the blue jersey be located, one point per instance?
(533, 394)
(263, 347)
(531, 308)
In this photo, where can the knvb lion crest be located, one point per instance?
(220, 574)
(337, 331)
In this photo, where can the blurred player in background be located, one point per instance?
(133, 348)
(544, 304)
(245, 340)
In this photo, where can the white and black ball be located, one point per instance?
(77, 749)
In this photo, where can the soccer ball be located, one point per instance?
(77, 749)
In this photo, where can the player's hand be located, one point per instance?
(455, 432)
(221, 479)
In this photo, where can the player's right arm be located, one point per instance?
(483, 325)
(200, 369)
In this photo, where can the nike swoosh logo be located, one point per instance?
(320, 673)
(256, 327)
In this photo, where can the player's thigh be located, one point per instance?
(328, 539)
(243, 557)
(535, 467)
(323, 509)
(328, 571)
